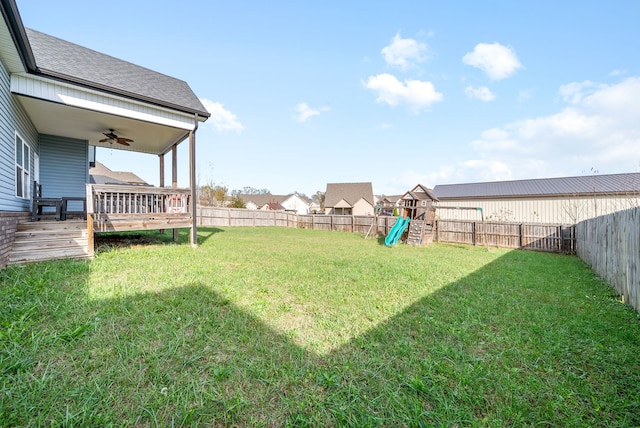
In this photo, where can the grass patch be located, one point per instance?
(273, 327)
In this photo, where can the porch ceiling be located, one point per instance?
(74, 122)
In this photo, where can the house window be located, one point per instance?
(424, 203)
(23, 156)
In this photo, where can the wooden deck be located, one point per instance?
(109, 208)
(116, 208)
(50, 240)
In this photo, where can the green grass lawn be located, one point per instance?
(277, 327)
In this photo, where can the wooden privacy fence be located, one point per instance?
(527, 236)
(610, 244)
(212, 216)
(347, 223)
(539, 237)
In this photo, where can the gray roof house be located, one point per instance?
(349, 199)
(59, 100)
(563, 200)
(100, 174)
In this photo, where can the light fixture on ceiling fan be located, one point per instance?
(113, 138)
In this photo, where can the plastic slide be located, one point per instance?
(396, 231)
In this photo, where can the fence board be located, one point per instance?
(539, 237)
(610, 244)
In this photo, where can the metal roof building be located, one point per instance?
(563, 200)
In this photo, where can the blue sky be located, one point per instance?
(305, 93)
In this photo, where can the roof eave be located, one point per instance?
(11, 16)
(92, 85)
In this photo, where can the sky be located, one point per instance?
(396, 93)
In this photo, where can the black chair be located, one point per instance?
(38, 211)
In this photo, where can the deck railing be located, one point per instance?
(119, 207)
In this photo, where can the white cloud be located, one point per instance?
(404, 53)
(575, 92)
(598, 128)
(616, 73)
(498, 61)
(417, 94)
(221, 118)
(304, 112)
(482, 93)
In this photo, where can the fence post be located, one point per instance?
(473, 233)
(520, 233)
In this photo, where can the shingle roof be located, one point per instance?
(349, 192)
(420, 192)
(262, 199)
(100, 174)
(61, 59)
(588, 184)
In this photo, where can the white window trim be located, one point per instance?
(25, 172)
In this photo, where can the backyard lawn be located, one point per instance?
(290, 327)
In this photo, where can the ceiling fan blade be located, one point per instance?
(104, 140)
(123, 142)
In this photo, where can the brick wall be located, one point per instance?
(8, 225)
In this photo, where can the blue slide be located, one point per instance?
(396, 231)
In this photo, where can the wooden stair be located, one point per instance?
(49, 240)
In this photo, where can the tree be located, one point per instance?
(319, 199)
(248, 190)
(237, 202)
(213, 195)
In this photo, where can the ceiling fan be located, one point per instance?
(113, 138)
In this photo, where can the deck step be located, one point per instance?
(49, 240)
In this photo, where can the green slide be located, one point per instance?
(396, 231)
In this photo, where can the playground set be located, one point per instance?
(416, 220)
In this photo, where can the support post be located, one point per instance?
(174, 178)
(90, 234)
(161, 158)
(193, 236)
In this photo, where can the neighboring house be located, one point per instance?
(59, 99)
(267, 201)
(100, 174)
(349, 199)
(296, 203)
(565, 200)
(315, 208)
(388, 204)
(260, 201)
(273, 206)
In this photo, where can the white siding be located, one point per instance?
(540, 210)
(294, 203)
(41, 88)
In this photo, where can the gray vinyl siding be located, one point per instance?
(64, 166)
(13, 118)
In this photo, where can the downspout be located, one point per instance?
(194, 191)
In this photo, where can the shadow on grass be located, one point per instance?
(499, 347)
(111, 240)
